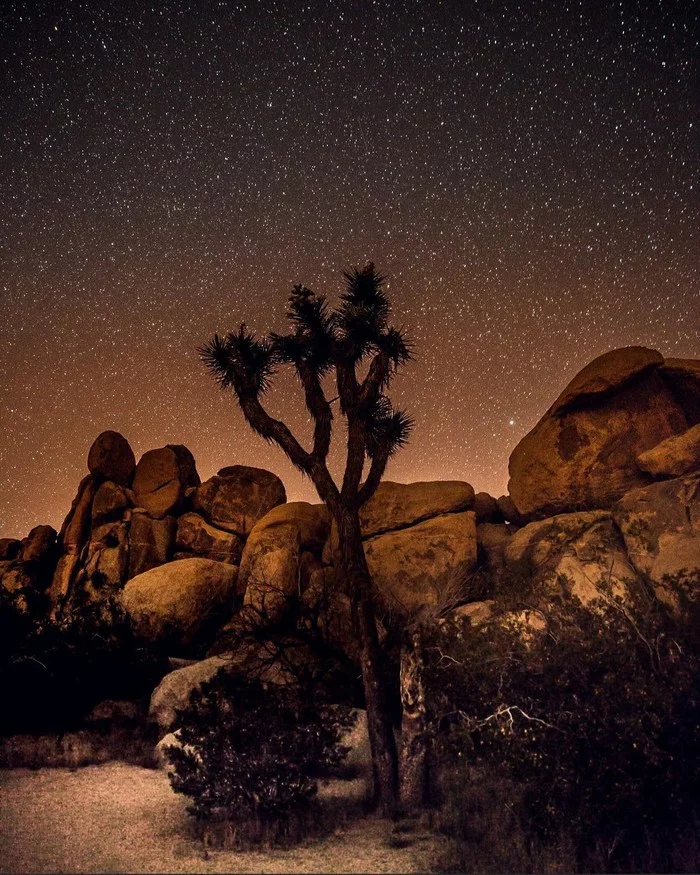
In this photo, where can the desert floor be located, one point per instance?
(122, 818)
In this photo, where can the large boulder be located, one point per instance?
(73, 536)
(162, 478)
(581, 553)
(677, 455)
(606, 375)
(278, 557)
(237, 497)
(35, 562)
(150, 542)
(9, 549)
(682, 376)
(398, 505)
(173, 692)
(661, 528)
(182, 603)
(582, 453)
(419, 567)
(111, 458)
(198, 538)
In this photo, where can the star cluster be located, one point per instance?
(526, 174)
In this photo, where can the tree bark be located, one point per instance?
(379, 723)
(415, 739)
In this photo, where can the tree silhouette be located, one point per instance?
(322, 342)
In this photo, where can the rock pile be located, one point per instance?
(604, 494)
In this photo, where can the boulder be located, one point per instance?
(271, 567)
(492, 540)
(682, 376)
(72, 538)
(582, 552)
(150, 542)
(398, 505)
(606, 375)
(677, 455)
(111, 458)
(486, 509)
(109, 503)
(172, 739)
(661, 527)
(196, 537)
(173, 692)
(162, 477)
(582, 454)
(509, 511)
(35, 563)
(39, 545)
(331, 609)
(9, 549)
(104, 564)
(476, 613)
(237, 497)
(181, 604)
(419, 567)
(312, 521)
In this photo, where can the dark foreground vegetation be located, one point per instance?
(563, 744)
(562, 739)
(54, 672)
(574, 748)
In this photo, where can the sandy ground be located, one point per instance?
(122, 818)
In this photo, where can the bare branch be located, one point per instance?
(273, 430)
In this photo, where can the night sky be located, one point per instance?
(526, 174)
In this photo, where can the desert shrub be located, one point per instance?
(584, 736)
(53, 672)
(251, 755)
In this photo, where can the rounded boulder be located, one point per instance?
(111, 458)
(181, 604)
(162, 477)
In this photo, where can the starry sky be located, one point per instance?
(525, 173)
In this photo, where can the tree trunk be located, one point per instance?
(381, 733)
(415, 739)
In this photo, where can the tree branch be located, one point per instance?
(377, 377)
(376, 472)
(319, 408)
(273, 430)
(355, 461)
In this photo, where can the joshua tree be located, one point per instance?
(321, 342)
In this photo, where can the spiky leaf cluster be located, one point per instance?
(240, 361)
(313, 335)
(388, 430)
